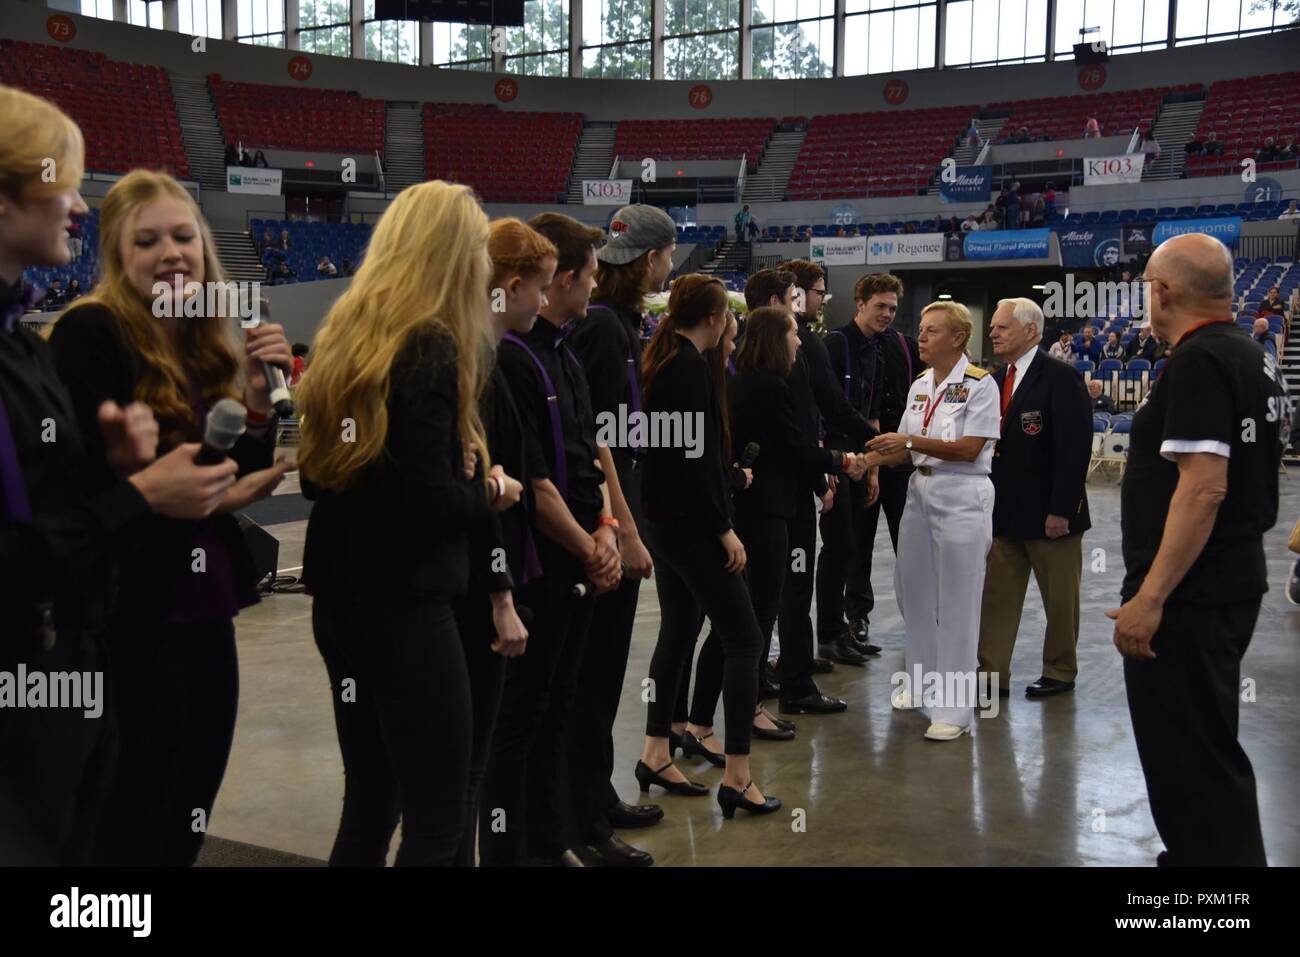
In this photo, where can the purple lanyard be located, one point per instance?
(553, 410)
(17, 505)
(907, 354)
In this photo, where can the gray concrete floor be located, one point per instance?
(1055, 782)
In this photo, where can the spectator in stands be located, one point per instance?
(1049, 199)
(56, 295)
(1151, 145)
(245, 157)
(954, 226)
(910, 228)
(936, 224)
(74, 239)
(1090, 348)
(1289, 151)
(268, 240)
(1194, 147)
(1268, 152)
(1100, 402)
(1143, 345)
(988, 220)
(1112, 349)
(348, 269)
(972, 134)
(1212, 145)
(1020, 136)
(742, 221)
(1272, 304)
(259, 159)
(283, 275)
(1062, 349)
(1037, 212)
(232, 155)
(1261, 334)
(326, 269)
(1291, 212)
(300, 350)
(840, 231)
(970, 223)
(74, 290)
(285, 243)
(1092, 129)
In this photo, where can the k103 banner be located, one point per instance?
(1101, 170)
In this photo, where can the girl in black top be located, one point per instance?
(393, 451)
(58, 530)
(523, 264)
(150, 331)
(697, 552)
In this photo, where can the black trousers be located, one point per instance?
(487, 675)
(692, 580)
(701, 707)
(595, 707)
(176, 690)
(56, 764)
(766, 547)
(794, 667)
(859, 597)
(844, 537)
(523, 796)
(1184, 706)
(401, 706)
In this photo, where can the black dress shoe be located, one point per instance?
(858, 629)
(773, 734)
(614, 853)
(646, 777)
(822, 666)
(729, 799)
(1046, 687)
(769, 674)
(767, 691)
(780, 722)
(693, 747)
(628, 816)
(842, 652)
(863, 647)
(813, 703)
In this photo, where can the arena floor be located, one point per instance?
(1053, 782)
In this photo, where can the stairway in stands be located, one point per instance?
(770, 179)
(403, 146)
(593, 158)
(1175, 126)
(730, 256)
(201, 131)
(238, 255)
(966, 153)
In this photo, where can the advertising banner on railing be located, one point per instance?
(1086, 246)
(837, 251)
(1226, 229)
(253, 179)
(969, 184)
(1102, 170)
(916, 248)
(606, 192)
(1008, 244)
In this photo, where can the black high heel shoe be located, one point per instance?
(645, 777)
(692, 747)
(779, 733)
(729, 799)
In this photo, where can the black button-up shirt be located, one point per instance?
(577, 420)
(858, 363)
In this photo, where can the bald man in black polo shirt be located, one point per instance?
(1200, 490)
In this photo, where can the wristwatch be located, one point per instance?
(908, 444)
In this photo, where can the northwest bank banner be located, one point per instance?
(1226, 229)
(1008, 244)
(1089, 246)
(969, 184)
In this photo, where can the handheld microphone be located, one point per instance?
(747, 457)
(584, 588)
(281, 398)
(225, 426)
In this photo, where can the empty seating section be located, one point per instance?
(309, 241)
(507, 156)
(874, 154)
(1255, 212)
(1242, 114)
(125, 110)
(262, 116)
(720, 139)
(1065, 117)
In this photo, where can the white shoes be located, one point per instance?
(902, 700)
(939, 731)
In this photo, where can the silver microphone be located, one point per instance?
(281, 397)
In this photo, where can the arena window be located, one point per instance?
(701, 39)
(541, 46)
(260, 22)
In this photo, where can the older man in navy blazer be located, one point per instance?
(1040, 509)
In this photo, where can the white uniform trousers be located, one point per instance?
(943, 544)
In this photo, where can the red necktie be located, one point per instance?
(1007, 385)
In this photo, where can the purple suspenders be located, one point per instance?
(17, 506)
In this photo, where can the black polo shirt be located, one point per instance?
(577, 420)
(1219, 393)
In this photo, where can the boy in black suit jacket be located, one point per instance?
(1040, 509)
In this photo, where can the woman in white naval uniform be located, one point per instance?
(949, 429)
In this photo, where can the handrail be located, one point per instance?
(1134, 140)
(613, 168)
(383, 180)
(740, 179)
(984, 152)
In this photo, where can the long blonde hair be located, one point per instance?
(202, 361)
(37, 134)
(427, 264)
